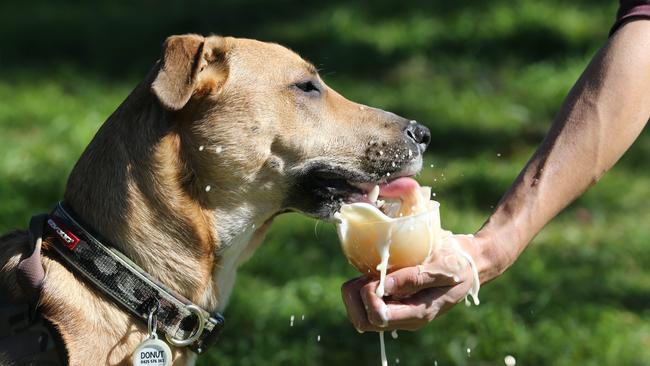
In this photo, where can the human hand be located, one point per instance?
(415, 295)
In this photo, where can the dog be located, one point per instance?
(186, 176)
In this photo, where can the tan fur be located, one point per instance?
(142, 181)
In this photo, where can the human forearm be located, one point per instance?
(600, 118)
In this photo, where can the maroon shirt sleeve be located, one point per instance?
(630, 10)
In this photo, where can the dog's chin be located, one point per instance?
(321, 190)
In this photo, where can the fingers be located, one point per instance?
(408, 281)
(411, 313)
(376, 309)
(420, 309)
(354, 305)
(378, 313)
(416, 296)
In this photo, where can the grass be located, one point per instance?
(486, 77)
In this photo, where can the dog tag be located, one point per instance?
(152, 352)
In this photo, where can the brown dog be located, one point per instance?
(187, 174)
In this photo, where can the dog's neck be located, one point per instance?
(134, 187)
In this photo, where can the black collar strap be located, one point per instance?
(110, 271)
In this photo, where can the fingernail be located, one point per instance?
(359, 330)
(389, 285)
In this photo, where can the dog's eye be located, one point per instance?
(308, 87)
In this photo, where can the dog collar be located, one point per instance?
(110, 271)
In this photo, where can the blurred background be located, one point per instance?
(487, 78)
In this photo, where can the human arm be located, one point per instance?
(601, 117)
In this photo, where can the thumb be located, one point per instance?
(408, 281)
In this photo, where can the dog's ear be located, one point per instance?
(181, 74)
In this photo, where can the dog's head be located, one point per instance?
(259, 127)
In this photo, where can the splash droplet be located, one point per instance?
(208, 188)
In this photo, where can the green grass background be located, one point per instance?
(487, 78)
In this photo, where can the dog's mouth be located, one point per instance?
(322, 189)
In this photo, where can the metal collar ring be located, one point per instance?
(197, 332)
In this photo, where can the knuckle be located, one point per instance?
(420, 280)
(414, 282)
(423, 315)
(429, 316)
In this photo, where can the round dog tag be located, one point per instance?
(152, 352)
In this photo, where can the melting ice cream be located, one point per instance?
(402, 229)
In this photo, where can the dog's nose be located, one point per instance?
(419, 134)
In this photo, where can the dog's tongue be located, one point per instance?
(409, 193)
(400, 187)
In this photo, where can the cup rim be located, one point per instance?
(391, 220)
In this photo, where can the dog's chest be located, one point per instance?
(230, 258)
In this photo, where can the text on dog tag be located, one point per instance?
(152, 352)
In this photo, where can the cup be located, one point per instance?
(366, 234)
